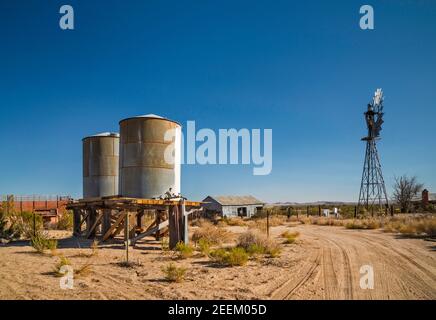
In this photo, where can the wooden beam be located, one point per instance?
(96, 223)
(149, 232)
(115, 225)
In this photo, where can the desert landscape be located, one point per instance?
(312, 258)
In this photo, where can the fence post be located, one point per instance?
(267, 223)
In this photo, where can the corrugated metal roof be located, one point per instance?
(236, 200)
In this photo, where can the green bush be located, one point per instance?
(62, 262)
(24, 224)
(40, 242)
(234, 257)
(204, 246)
(65, 221)
(174, 273)
(184, 250)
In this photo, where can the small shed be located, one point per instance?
(233, 206)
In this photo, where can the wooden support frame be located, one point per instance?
(106, 217)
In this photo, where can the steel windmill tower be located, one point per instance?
(372, 189)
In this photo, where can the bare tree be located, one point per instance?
(405, 188)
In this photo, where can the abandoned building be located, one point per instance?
(233, 206)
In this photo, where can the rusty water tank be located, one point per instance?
(100, 165)
(146, 171)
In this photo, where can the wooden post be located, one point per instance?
(307, 211)
(174, 226)
(355, 212)
(392, 210)
(132, 225)
(92, 217)
(184, 216)
(319, 210)
(158, 221)
(126, 235)
(267, 223)
(106, 224)
(76, 222)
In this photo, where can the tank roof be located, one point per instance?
(104, 134)
(150, 116)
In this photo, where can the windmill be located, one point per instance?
(372, 189)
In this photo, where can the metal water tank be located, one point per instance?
(101, 165)
(146, 171)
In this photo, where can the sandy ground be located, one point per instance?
(323, 264)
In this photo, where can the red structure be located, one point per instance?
(49, 207)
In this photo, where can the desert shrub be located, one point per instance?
(63, 261)
(174, 273)
(65, 221)
(324, 221)
(255, 249)
(415, 225)
(257, 243)
(363, 224)
(274, 251)
(204, 247)
(41, 242)
(290, 237)
(218, 255)
(24, 224)
(235, 221)
(84, 270)
(261, 223)
(5, 231)
(232, 257)
(236, 257)
(184, 250)
(252, 237)
(165, 243)
(213, 234)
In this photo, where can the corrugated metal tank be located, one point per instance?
(144, 170)
(101, 165)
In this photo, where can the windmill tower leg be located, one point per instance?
(372, 194)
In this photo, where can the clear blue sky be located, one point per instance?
(305, 70)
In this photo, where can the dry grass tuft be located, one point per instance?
(412, 225)
(211, 233)
(174, 273)
(257, 243)
(62, 262)
(183, 250)
(290, 237)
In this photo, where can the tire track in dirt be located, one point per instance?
(404, 269)
(408, 277)
(286, 291)
(347, 283)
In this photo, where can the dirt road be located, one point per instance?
(324, 263)
(403, 268)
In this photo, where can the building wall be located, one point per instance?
(232, 211)
(212, 205)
